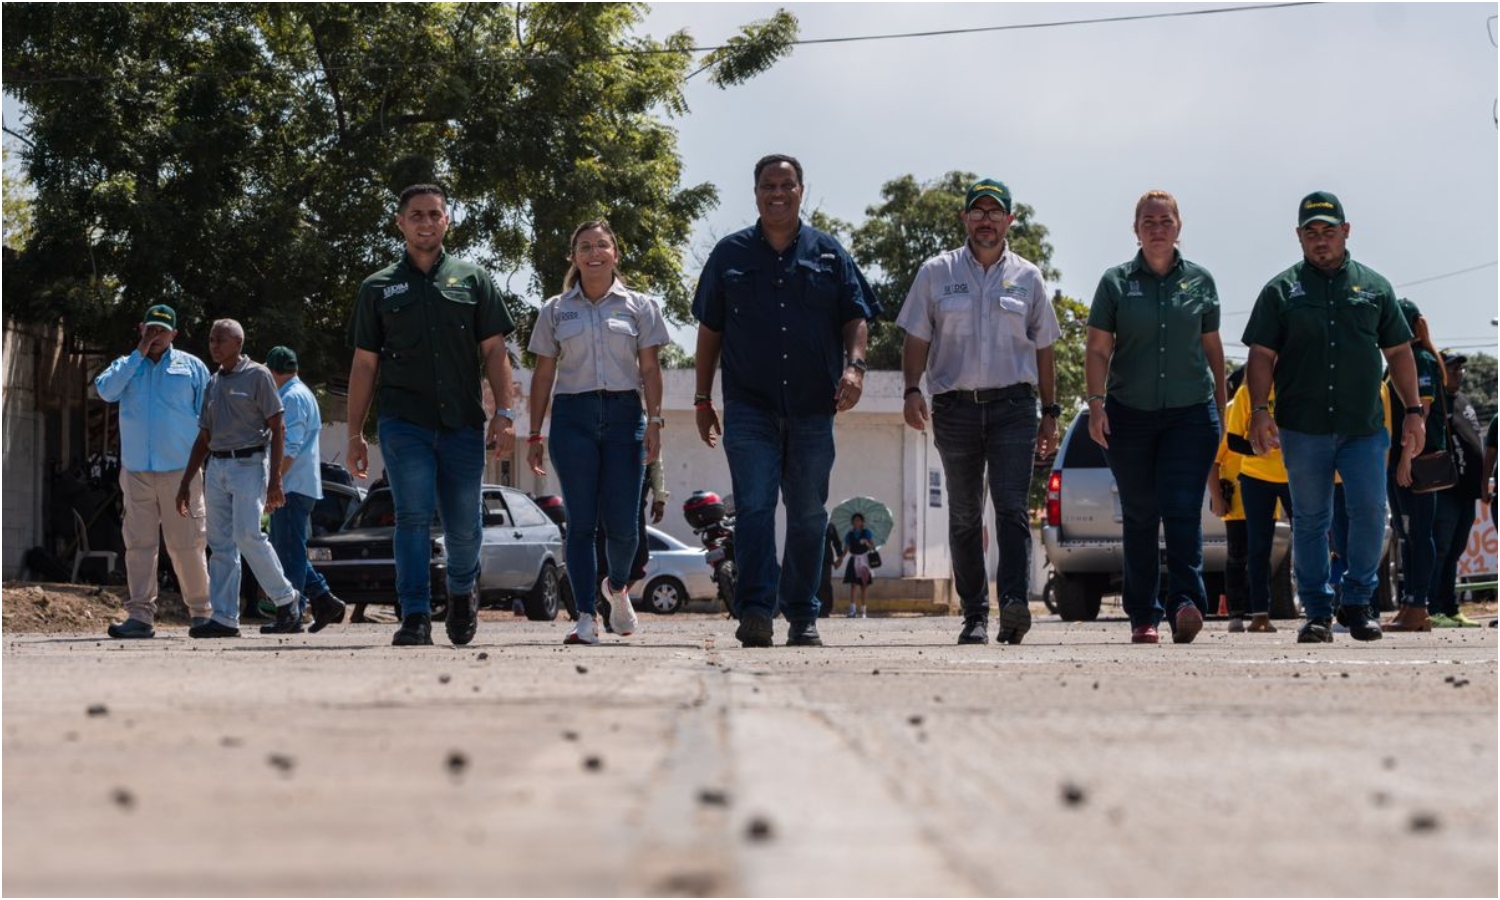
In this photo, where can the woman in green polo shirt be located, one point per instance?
(1415, 513)
(1154, 333)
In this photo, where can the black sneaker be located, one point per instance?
(327, 610)
(1015, 621)
(415, 631)
(803, 634)
(755, 630)
(213, 629)
(976, 630)
(132, 628)
(463, 618)
(1317, 630)
(1362, 626)
(288, 620)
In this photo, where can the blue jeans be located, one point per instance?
(598, 448)
(1311, 461)
(772, 454)
(1160, 459)
(433, 470)
(1413, 521)
(290, 526)
(1450, 535)
(970, 436)
(234, 495)
(1260, 532)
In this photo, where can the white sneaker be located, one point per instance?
(622, 616)
(852, 612)
(585, 631)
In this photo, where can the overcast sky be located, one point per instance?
(1390, 106)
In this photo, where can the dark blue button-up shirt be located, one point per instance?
(782, 316)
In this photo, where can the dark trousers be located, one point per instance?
(1450, 535)
(1260, 499)
(1413, 520)
(1236, 552)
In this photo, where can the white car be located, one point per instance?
(675, 574)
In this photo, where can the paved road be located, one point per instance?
(676, 763)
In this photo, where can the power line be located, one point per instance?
(12, 78)
(1448, 274)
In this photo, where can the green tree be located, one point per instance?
(242, 159)
(914, 222)
(1479, 385)
(17, 201)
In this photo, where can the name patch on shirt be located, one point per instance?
(394, 289)
(1296, 291)
(1134, 290)
(950, 289)
(1015, 290)
(567, 315)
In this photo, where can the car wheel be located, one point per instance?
(1283, 596)
(1077, 599)
(665, 595)
(439, 609)
(1385, 588)
(543, 600)
(569, 602)
(1049, 600)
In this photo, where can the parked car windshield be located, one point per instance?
(379, 511)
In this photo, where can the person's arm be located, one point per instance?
(852, 384)
(362, 372)
(1098, 350)
(542, 379)
(1403, 366)
(195, 464)
(295, 417)
(914, 352)
(116, 377)
(275, 499)
(1264, 436)
(1213, 348)
(502, 431)
(650, 362)
(1046, 390)
(706, 356)
(1487, 467)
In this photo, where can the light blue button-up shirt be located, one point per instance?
(159, 406)
(304, 423)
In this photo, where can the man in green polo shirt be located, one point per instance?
(1320, 330)
(425, 326)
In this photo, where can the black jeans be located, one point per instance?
(1260, 530)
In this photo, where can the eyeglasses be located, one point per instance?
(979, 215)
(585, 248)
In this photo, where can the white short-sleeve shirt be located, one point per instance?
(597, 345)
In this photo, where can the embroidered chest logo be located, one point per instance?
(951, 289)
(1296, 291)
(395, 289)
(566, 315)
(1015, 290)
(1134, 290)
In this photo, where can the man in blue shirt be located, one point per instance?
(302, 487)
(785, 307)
(160, 392)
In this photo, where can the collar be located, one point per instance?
(966, 253)
(1307, 266)
(288, 386)
(575, 293)
(406, 262)
(760, 234)
(240, 366)
(1138, 265)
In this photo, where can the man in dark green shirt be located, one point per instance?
(424, 326)
(1321, 329)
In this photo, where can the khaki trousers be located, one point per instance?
(150, 516)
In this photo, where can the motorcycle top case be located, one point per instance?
(703, 509)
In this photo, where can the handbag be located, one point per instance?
(1433, 471)
(872, 559)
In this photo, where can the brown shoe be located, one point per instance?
(1261, 622)
(1409, 618)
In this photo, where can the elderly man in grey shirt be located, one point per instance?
(979, 322)
(241, 435)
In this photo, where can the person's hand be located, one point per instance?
(1413, 434)
(182, 500)
(147, 341)
(850, 388)
(653, 442)
(1046, 437)
(501, 436)
(915, 411)
(1264, 435)
(1216, 501)
(658, 510)
(357, 456)
(1403, 470)
(709, 428)
(1099, 424)
(535, 455)
(275, 499)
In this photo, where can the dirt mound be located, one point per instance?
(51, 608)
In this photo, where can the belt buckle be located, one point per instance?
(978, 398)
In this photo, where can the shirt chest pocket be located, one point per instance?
(622, 336)
(1363, 312)
(955, 314)
(572, 337)
(457, 309)
(739, 293)
(819, 285)
(401, 326)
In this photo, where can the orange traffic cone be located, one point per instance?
(1223, 605)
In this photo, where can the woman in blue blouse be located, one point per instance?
(858, 543)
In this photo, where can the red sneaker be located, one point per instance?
(1187, 623)
(1144, 634)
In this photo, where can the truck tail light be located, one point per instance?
(1054, 499)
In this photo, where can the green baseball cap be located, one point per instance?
(988, 187)
(161, 316)
(1320, 206)
(282, 359)
(1410, 313)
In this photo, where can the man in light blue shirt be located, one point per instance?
(302, 485)
(160, 392)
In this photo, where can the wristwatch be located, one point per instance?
(1414, 410)
(1052, 409)
(658, 421)
(860, 365)
(505, 414)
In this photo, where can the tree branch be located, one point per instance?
(20, 137)
(332, 80)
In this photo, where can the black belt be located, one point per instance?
(241, 453)
(1020, 391)
(601, 393)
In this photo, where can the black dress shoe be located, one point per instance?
(415, 631)
(1317, 630)
(1015, 621)
(755, 630)
(327, 610)
(803, 634)
(132, 628)
(976, 630)
(213, 629)
(1362, 626)
(463, 618)
(288, 620)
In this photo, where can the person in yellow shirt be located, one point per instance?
(1225, 501)
(1262, 483)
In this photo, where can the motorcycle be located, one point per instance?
(710, 520)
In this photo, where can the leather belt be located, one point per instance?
(241, 453)
(1019, 391)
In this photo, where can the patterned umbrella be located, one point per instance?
(877, 517)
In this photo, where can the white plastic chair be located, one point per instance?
(82, 533)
